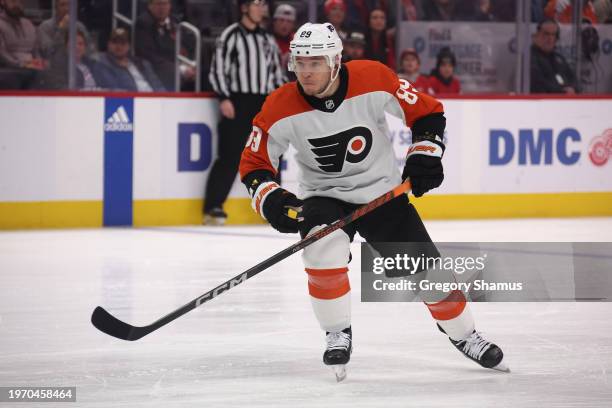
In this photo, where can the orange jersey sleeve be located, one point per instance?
(263, 150)
(370, 76)
(255, 155)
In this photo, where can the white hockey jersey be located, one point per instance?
(343, 150)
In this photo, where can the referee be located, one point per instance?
(244, 70)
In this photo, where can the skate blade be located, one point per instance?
(214, 221)
(501, 367)
(340, 372)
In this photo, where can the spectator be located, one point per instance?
(603, 11)
(354, 47)
(410, 70)
(591, 72)
(19, 46)
(379, 44)
(123, 72)
(446, 10)
(481, 11)
(442, 79)
(550, 72)
(52, 32)
(562, 10)
(95, 15)
(88, 71)
(155, 42)
(335, 13)
(537, 10)
(358, 13)
(283, 28)
(245, 69)
(409, 10)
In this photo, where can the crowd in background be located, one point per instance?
(36, 57)
(33, 39)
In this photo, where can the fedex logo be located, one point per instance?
(534, 147)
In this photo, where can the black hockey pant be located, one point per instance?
(396, 221)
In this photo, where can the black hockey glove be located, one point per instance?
(282, 210)
(424, 165)
(424, 157)
(276, 205)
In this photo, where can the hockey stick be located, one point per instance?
(112, 326)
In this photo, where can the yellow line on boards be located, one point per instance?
(87, 214)
(50, 214)
(189, 212)
(549, 205)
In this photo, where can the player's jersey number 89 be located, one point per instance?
(406, 92)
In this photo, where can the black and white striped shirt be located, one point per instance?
(245, 62)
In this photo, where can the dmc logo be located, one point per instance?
(532, 148)
(119, 121)
(600, 149)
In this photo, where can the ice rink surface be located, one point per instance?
(259, 344)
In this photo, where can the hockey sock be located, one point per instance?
(453, 315)
(330, 293)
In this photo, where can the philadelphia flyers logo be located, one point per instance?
(352, 145)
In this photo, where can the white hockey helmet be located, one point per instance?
(314, 40)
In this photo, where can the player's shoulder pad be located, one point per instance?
(283, 102)
(370, 76)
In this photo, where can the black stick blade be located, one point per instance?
(109, 324)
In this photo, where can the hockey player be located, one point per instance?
(334, 116)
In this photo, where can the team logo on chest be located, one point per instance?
(351, 145)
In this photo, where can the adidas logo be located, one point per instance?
(119, 122)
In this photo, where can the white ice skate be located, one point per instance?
(338, 351)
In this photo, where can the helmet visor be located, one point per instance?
(310, 64)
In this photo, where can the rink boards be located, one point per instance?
(92, 160)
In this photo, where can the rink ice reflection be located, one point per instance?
(259, 345)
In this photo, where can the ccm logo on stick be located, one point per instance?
(211, 295)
